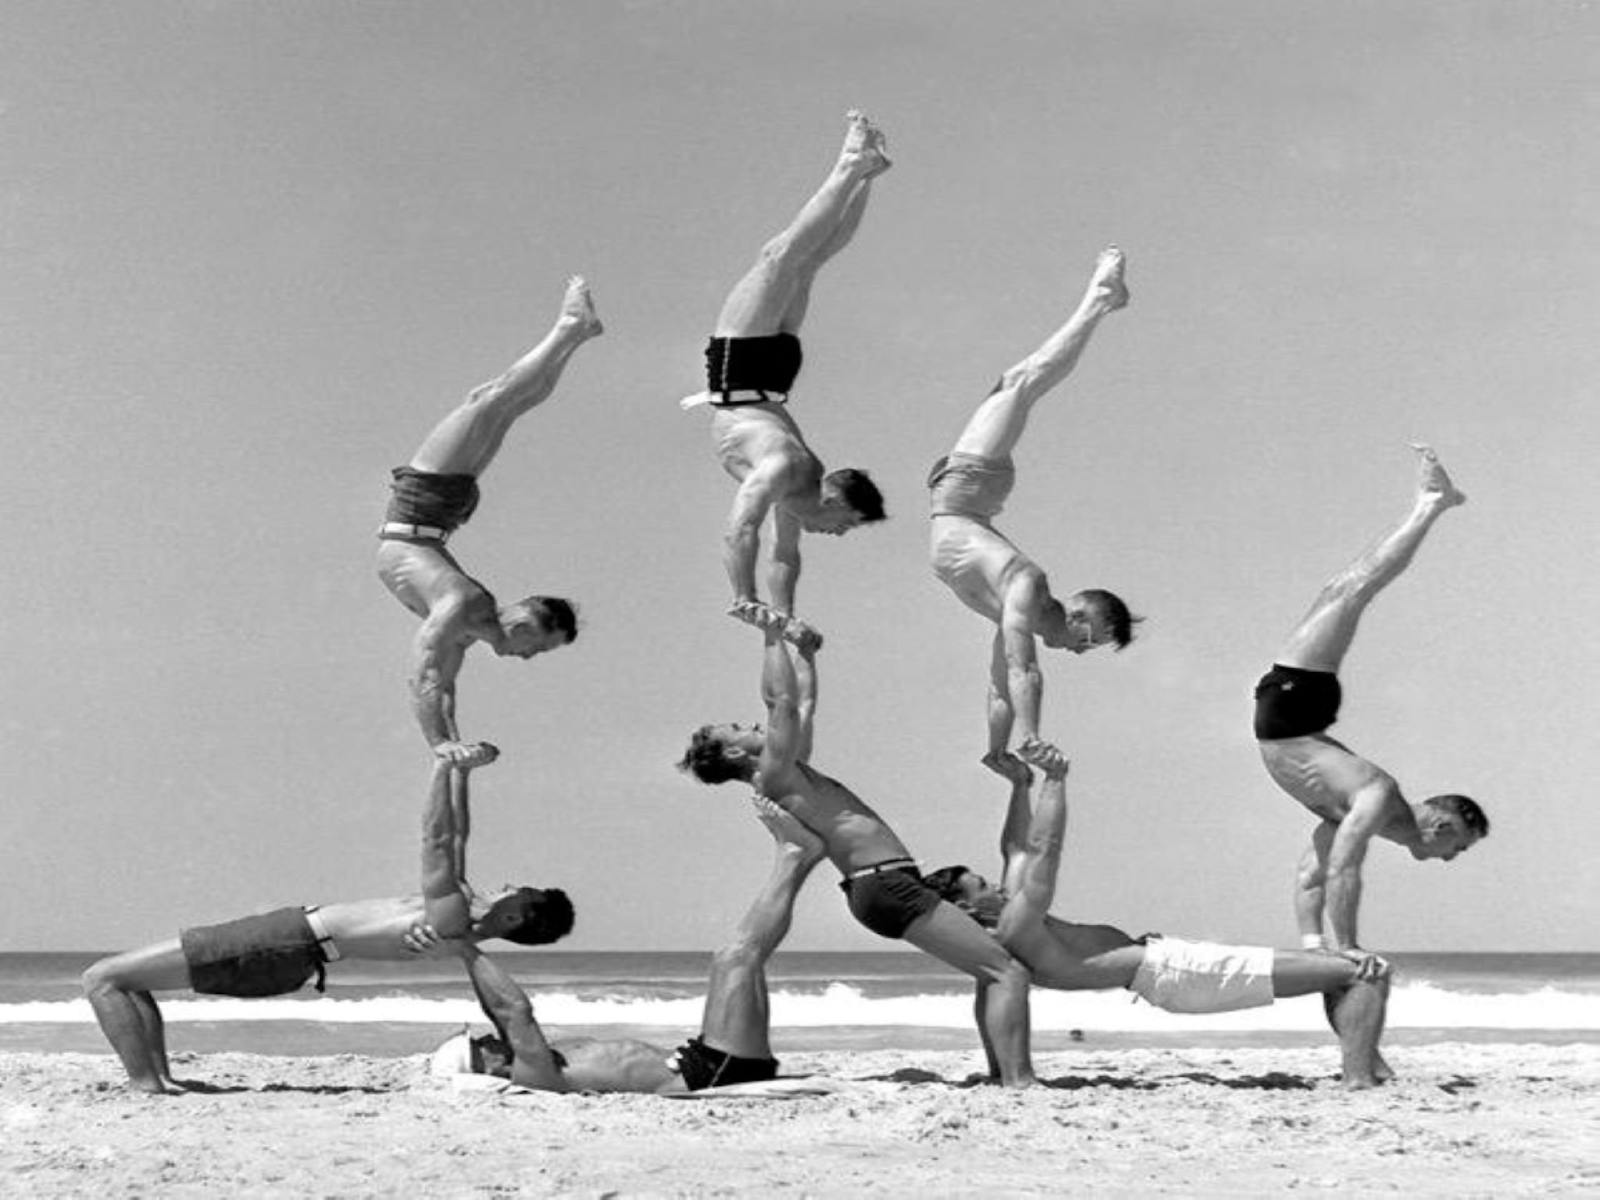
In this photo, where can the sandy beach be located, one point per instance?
(1464, 1119)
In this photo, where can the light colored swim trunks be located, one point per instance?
(1203, 977)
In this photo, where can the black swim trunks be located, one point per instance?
(266, 955)
(703, 1067)
(890, 902)
(424, 498)
(760, 364)
(1293, 702)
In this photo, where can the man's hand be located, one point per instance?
(804, 638)
(1042, 754)
(424, 941)
(1008, 766)
(467, 756)
(1370, 967)
(755, 613)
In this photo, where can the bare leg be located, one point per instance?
(736, 1016)
(951, 936)
(119, 990)
(998, 424)
(772, 296)
(1355, 1008)
(466, 441)
(1324, 636)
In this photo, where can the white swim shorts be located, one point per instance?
(1203, 977)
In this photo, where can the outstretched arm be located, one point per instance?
(445, 902)
(1368, 813)
(1024, 685)
(1311, 881)
(436, 657)
(507, 1006)
(1001, 714)
(787, 732)
(741, 543)
(1031, 875)
(1014, 832)
(783, 572)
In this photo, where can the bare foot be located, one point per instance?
(1107, 287)
(1360, 1083)
(864, 145)
(789, 834)
(1432, 481)
(577, 309)
(1381, 1070)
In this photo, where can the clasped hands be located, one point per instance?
(764, 617)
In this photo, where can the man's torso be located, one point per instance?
(978, 564)
(853, 834)
(372, 929)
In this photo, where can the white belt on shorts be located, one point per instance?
(893, 864)
(432, 533)
(733, 396)
(325, 942)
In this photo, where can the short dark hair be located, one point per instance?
(857, 490)
(704, 757)
(556, 615)
(1108, 606)
(946, 881)
(1466, 808)
(530, 916)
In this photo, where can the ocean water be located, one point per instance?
(818, 1000)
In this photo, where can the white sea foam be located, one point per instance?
(1416, 1006)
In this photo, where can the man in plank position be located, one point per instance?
(882, 885)
(1355, 801)
(969, 487)
(732, 1046)
(751, 363)
(1177, 975)
(433, 495)
(278, 952)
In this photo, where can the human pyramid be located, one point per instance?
(1000, 934)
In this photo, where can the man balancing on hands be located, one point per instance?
(882, 885)
(433, 495)
(732, 1046)
(969, 487)
(751, 363)
(1170, 973)
(278, 952)
(1354, 801)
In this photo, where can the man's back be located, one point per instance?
(748, 436)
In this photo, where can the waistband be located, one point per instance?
(733, 397)
(325, 942)
(423, 533)
(888, 864)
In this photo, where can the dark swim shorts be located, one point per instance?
(423, 498)
(762, 364)
(1293, 702)
(703, 1067)
(266, 955)
(890, 902)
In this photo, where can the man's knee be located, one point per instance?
(102, 977)
(735, 958)
(1009, 975)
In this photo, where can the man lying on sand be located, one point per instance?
(1298, 699)
(434, 494)
(278, 952)
(881, 883)
(1179, 976)
(751, 363)
(969, 486)
(732, 1046)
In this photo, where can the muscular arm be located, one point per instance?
(783, 573)
(741, 542)
(1032, 878)
(1001, 714)
(805, 672)
(1368, 812)
(508, 1008)
(1311, 881)
(444, 898)
(1024, 686)
(437, 654)
(780, 689)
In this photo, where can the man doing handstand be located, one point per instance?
(1177, 975)
(732, 1046)
(278, 952)
(968, 488)
(1298, 699)
(433, 495)
(881, 882)
(751, 363)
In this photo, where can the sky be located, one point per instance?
(251, 252)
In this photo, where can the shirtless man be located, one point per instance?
(276, 953)
(732, 1046)
(433, 495)
(1177, 975)
(881, 882)
(969, 486)
(751, 363)
(1356, 801)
